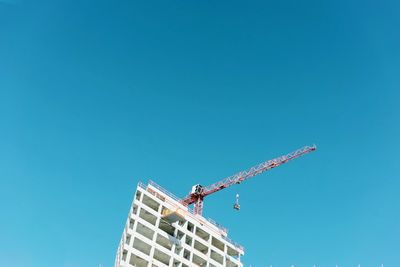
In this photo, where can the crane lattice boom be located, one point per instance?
(199, 192)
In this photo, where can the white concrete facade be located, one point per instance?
(160, 231)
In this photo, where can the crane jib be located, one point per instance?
(197, 197)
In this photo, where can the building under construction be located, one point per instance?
(163, 230)
(160, 231)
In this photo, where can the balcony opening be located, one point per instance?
(176, 263)
(229, 263)
(188, 240)
(200, 247)
(166, 227)
(138, 195)
(131, 223)
(178, 250)
(186, 254)
(218, 244)
(141, 246)
(180, 235)
(151, 203)
(161, 257)
(144, 231)
(124, 254)
(190, 227)
(199, 261)
(138, 261)
(147, 216)
(217, 257)
(181, 222)
(164, 242)
(202, 234)
(232, 252)
(135, 209)
(128, 240)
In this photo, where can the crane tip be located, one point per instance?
(314, 147)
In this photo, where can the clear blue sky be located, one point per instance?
(97, 95)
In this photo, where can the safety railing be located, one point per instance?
(152, 183)
(237, 245)
(219, 226)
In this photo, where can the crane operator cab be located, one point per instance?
(236, 206)
(197, 189)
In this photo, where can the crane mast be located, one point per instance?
(198, 192)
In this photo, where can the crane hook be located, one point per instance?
(236, 206)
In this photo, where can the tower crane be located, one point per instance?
(199, 192)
